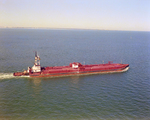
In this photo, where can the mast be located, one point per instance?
(37, 59)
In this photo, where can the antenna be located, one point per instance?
(35, 53)
(37, 59)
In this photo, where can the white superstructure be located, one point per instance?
(37, 66)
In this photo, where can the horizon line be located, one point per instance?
(1, 27)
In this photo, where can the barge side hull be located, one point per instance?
(80, 73)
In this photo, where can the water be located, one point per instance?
(105, 96)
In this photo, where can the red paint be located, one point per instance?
(74, 69)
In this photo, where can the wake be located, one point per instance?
(9, 76)
(6, 75)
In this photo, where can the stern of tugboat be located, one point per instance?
(18, 74)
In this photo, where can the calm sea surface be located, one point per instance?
(102, 96)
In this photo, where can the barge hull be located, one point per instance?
(80, 73)
(74, 69)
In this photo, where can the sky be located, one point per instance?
(133, 15)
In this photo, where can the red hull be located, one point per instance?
(72, 69)
(60, 71)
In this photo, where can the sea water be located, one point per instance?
(102, 96)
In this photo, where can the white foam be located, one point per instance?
(24, 76)
(6, 75)
(125, 69)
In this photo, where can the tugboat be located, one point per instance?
(72, 69)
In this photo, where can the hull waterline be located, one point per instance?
(74, 69)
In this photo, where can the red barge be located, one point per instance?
(75, 68)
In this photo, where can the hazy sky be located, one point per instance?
(82, 14)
